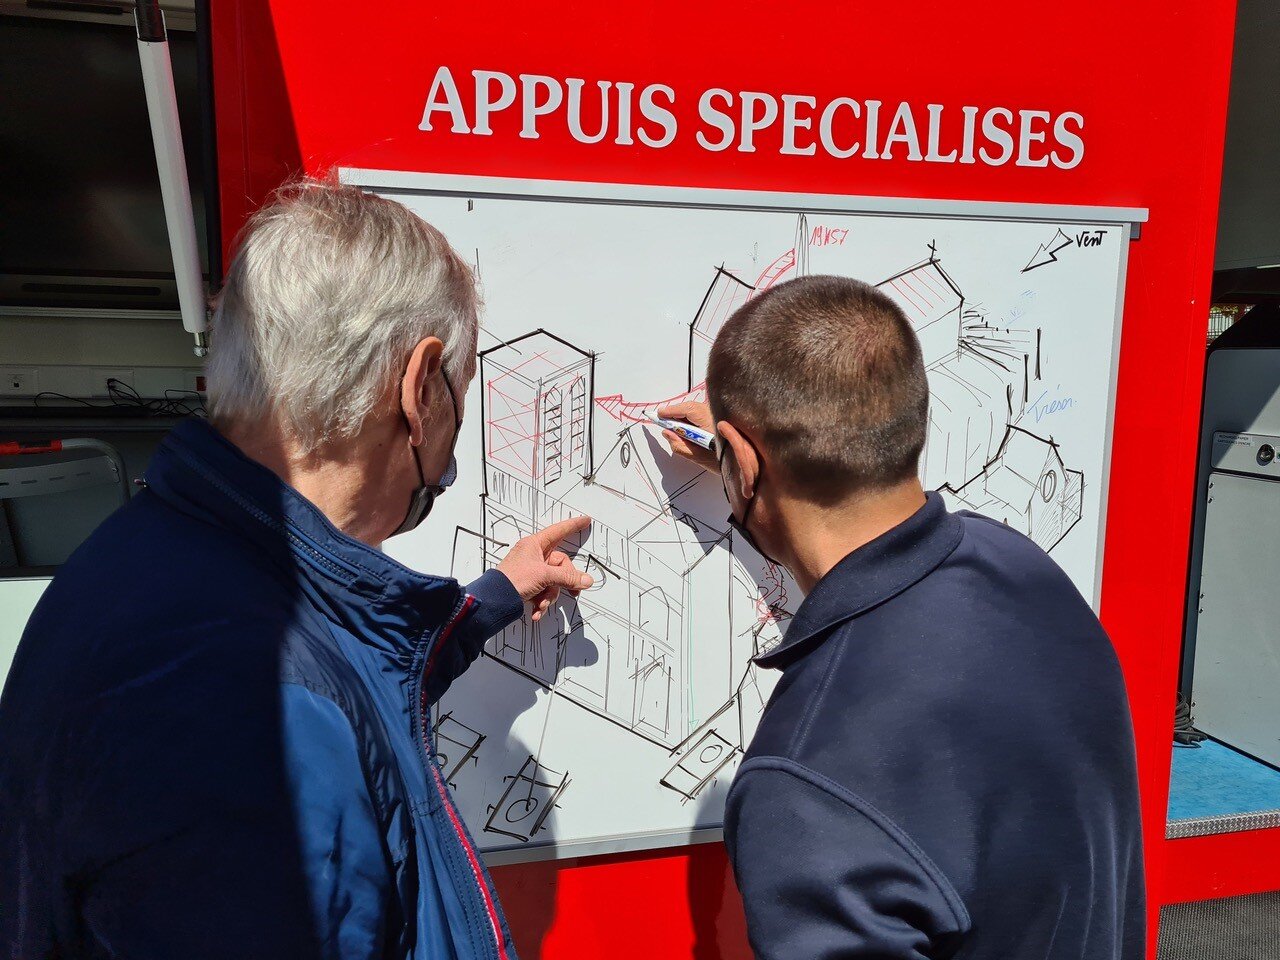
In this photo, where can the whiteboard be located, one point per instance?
(618, 722)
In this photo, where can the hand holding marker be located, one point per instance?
(690, 430)
(703, 439)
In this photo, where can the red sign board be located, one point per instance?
(1095, 104)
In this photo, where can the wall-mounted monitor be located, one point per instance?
(81, 219)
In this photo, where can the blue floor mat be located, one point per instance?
(1215, 781)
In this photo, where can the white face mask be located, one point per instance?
(424, 497)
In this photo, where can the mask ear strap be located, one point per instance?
(453, 398)
(422, 480)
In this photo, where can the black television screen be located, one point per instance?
(81, 218)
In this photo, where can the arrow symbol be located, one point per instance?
(1047, 252)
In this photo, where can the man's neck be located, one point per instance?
(336, 478)
(826, 535)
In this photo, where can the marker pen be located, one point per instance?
(695, 435)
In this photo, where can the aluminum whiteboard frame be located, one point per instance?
(508, 188)
(1127, 219)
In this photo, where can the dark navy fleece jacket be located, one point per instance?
(946, 768)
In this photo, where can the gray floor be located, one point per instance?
(1235, 928)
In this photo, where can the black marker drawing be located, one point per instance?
(456, 746)
(531, 793)
(661, 647)
(1047, 253)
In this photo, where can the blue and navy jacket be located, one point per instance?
(215, 740)
(946, 766)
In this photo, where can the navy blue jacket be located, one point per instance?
(946, 767)
(215, 740)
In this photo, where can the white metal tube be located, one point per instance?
(166, 134)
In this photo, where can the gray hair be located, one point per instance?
(326, 298)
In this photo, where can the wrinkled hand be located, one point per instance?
(698, 414)
(539, 571)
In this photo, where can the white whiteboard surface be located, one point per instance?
(619, 721)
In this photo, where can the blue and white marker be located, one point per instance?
(695, 435)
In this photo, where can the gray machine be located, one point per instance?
(1231, 667)
(1237, 651)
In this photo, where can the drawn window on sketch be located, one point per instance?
(456, 746)
(552, 417)
(699, 765)
(531, 794)
(1048, 485)
(653, 680)
(578, 422)
(654, 614)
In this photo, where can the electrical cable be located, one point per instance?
(1184, 732)
(174, 403)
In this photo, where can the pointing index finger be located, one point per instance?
(552, 535)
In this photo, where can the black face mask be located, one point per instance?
(424, 497)
(740, 526)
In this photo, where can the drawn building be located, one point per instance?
(626, 650)
(537, 414)
(1027, 486)
(979, 374)
(934, 304)
(621, 648)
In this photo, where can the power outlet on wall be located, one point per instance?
(102, 377)
(18, 382)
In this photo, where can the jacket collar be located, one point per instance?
(872, 574)
(200, 473)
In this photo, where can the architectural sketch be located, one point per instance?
(537, 412)
(456, 746)
(1026, 486)
(622, 649)
(976, 454)
(619, 649)
(531, 793)
(645, 686)
(979, 381)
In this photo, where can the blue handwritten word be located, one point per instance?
(1043, 408)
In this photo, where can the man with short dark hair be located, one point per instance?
(946, 767)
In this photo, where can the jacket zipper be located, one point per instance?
(468, 601)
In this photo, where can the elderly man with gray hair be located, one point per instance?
(216, 738)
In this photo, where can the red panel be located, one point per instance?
(257, 140)
(317, 81)
(631, 907)
(1227, 865)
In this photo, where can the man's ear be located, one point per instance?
(424, 363)
(745, 455)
